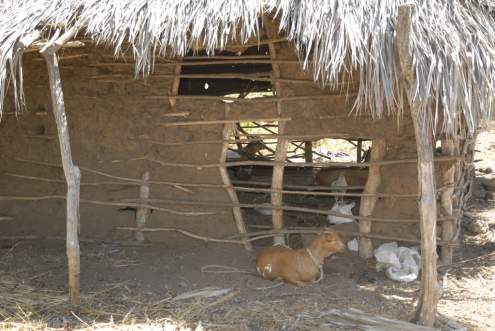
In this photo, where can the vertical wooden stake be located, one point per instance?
(280, 156)
(368, 203)
(278, 183)
(175, 85)
(448, 149)
(228, 129)
(142, 214)
(359, 151)
(308, 151)
(430, 290)
(72, 173)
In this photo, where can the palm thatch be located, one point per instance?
(452, 46)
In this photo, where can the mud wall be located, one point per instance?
(115, 125)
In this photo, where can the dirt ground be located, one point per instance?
(130, 286)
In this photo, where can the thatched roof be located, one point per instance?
(453, 44)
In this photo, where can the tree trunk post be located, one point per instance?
(72, 172)
(368, 203)
(430, 290)
(228, 130)
(280, 156)
(142, 214)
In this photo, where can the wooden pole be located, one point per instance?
(72, 172)
(368, 203)
(142, 214)
(228, 129)
(448, 148)
(359, 150)
(430, 290)
(280, 156)
(175, 85)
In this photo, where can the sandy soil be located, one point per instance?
(131, 284)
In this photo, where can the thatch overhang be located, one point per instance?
(452, 46)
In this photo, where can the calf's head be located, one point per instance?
(328, 243)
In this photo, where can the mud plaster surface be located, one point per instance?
(113, 123)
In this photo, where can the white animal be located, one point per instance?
(342, 208)
(341, 183)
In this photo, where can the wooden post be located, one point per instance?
(142, 214)
(72, 173)
(368, 203)
(228, 129)
(175, 85)
(359, 150)
(278, 184)
(430, 290)
(280, 156)
(448, 231)
(308, 151)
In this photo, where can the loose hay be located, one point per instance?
(26, 307)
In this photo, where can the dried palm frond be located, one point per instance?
(452, 46)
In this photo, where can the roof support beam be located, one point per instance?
(72, 172)
(430, 290)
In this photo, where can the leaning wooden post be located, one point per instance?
(142, 214)
(448, 149)
(280, 156)
(228, 129)
(72, 173)
(430, 291)
(368, 203)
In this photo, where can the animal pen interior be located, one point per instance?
(230, 143)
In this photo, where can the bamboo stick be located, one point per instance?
(214, 122)
(39, 45)
(266, 234)
(130, 203)
(430, 290)
(236, 211)
(19, 237)
(294, 189)
(199, 63)
(368, 203)
(68, 57)
(142, 214)
(226, 57)
(59, 181)
(6, 218)
(248, 101)
(288, 208)
(96, 172)
(185, 233)
(72, 172)
(109, 203)
(297, 165)
(178, 114)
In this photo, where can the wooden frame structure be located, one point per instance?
(451, 192)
